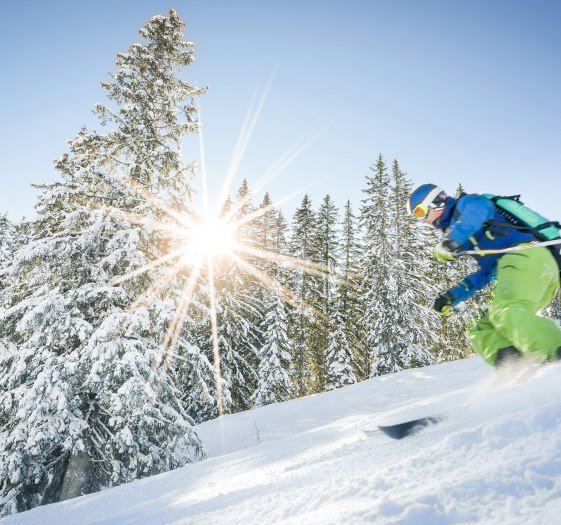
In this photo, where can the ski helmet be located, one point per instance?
(425, 197)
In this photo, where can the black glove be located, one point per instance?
(443, 303)
(452, 245)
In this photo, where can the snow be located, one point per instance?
(319, 459)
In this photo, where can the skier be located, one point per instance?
(527, 280)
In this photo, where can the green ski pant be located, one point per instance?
(527, 282)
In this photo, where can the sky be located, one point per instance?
(456, 91)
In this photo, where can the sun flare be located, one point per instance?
(201, 242)
(210, 237)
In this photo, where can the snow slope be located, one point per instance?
(496, 459)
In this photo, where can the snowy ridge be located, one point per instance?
(496, 459)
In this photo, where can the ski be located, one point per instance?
(408, 428)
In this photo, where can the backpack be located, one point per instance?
(519, 216)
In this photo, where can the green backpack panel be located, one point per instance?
(518, 214)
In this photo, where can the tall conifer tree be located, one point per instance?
(264, 238)
(348, 292)
(274, 382)
(280, 246)
(302, 247)
(7, 239)
(237, 301)
(339, 357)
(379, 286)
(85, 402)
(275, 351)
(236, 337)
(416, 323)
(326, 253)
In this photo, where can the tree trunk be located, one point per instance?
(76, 479)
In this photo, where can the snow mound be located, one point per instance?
(495, 459)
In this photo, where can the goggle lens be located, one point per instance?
(420, 211)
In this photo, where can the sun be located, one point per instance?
(201, 243)
(210, 237)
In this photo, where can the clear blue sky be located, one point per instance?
(455, 90)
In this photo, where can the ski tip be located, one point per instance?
(408, 428)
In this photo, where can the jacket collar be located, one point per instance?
(444, 220)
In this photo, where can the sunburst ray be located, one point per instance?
(287, 294)
(288, 157)
(259, 212)
(214, 335)
(243, 140)
(174, 330)
(312, 268)
(149, 266)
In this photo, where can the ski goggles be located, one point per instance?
(421, 211)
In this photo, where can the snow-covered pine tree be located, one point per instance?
(326, 253)
(236, 335)
(417, 325)
(7, 240)
(379, 294)
(274, 383)
(84, 403)
(280, 245)
(195, 378)
(237, 308)
(247, 292)
(275, 350)
(243, 208)
(301, 246)
(348, 287)
(339, 357)
(280, 227)
(7, 248)
(264, 238)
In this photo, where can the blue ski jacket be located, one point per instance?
(474, 223)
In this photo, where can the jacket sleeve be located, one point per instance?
(472, 212)
(472, 283)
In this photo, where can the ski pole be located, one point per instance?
(519, 247)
